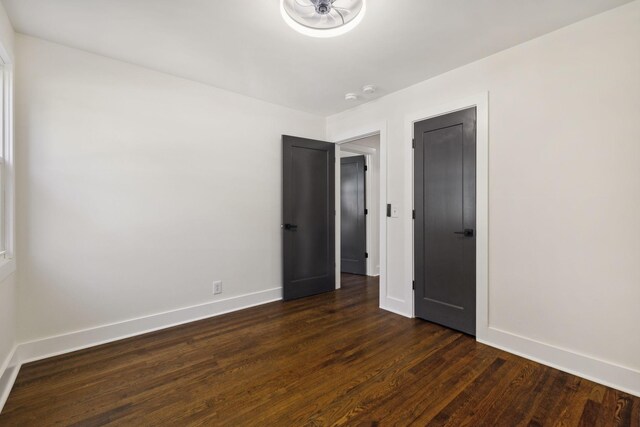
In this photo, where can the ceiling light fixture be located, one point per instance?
(351, 97)
(322, 18)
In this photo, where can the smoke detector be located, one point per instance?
(368, 89)
(322, 18)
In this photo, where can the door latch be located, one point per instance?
(467, 232)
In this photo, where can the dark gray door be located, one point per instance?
(445, 220)
(353, 222)
(308, 217)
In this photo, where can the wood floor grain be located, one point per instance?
(332, 359)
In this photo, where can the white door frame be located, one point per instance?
(481, 102)
(367, 152)
(376, 128)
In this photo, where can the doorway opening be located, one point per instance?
(311, 212)
(358, 189)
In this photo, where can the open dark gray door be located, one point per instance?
(353, 220)
(308, 217)
(445, 220)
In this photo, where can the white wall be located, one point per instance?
(564, 196)
(138, 189)
(8, 298)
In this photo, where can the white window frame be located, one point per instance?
(7, 169)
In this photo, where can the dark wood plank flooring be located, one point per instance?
(332, 359)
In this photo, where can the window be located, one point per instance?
(3, 246)
(6, 163)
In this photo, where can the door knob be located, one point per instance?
(290, 227)
(467, 232)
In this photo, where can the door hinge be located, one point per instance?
(413, 143)
(366, 168)
(366, 211)
(413, 285)
(413, 214)
(366, 254)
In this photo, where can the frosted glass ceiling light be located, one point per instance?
(322, 18)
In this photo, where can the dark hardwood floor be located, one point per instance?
(332, 359)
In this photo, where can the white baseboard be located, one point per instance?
(6, 363)
(8, 376)
(78, 340)
(606, 373)
(389, 305)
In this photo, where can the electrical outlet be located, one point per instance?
(217, 287)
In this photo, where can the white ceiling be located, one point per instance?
(245, 46)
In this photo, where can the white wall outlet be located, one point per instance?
(217, 287)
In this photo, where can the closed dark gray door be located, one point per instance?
(353, 222)
(308, 217)
(445, 220)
